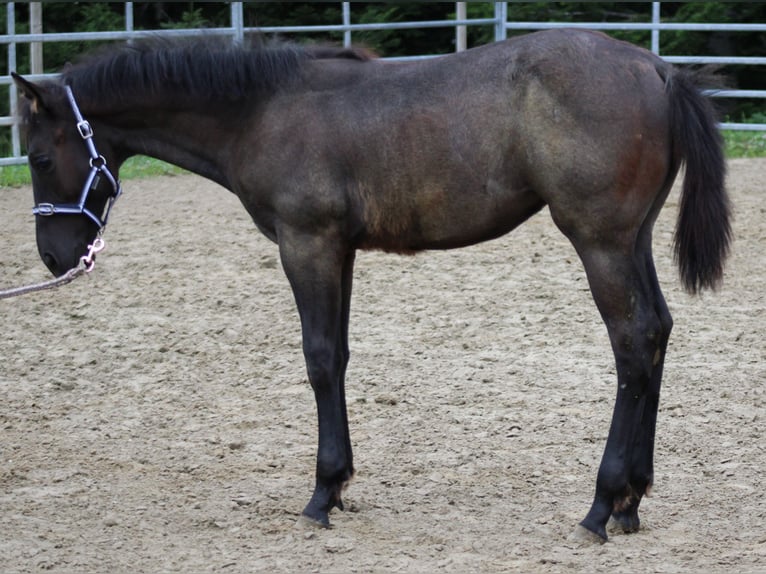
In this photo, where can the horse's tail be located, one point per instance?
(703, 230)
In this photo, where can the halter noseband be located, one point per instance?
(98, 169)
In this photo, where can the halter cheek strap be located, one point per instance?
(98, 169)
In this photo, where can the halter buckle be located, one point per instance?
(85, 129)
(44, 209)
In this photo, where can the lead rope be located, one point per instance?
(86, 265)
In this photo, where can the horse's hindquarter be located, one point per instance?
(598, 131)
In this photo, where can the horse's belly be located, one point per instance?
(479, 221)
(443, 220)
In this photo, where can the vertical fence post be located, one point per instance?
(129, 16)
(461, 32)
(346, 22)
(36, 27)
(501, 17)
(655, 29)
(237, 22)
(13, 92)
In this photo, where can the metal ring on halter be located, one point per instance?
(98, 162)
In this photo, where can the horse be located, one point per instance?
(332, 150)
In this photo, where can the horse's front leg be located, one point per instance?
(319, 270)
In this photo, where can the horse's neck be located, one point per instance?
(193, 141)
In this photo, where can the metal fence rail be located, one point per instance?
(237, 31)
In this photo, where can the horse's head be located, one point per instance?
(73, 188)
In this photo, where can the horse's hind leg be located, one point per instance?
(642, 464)
(625, 289)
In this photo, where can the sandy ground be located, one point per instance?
(155, 416)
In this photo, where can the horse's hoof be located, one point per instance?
(583, 536)
(623, 524)
(305, 522)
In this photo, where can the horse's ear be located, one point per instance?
(32, 92)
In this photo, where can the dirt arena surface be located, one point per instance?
(155, 416)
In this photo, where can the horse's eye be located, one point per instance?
(41, 162)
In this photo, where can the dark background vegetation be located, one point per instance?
(95, 16)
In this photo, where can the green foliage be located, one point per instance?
(412, 42)
(14, 176)
(142, 166)
(268, 14)
(135, 168)
(586, 12)
(101, 16)
(745, 144)
(190, 19)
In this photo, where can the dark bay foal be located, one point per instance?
(331, 151)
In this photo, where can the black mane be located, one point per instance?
(200, 70)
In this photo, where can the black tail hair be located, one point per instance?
(703, 229)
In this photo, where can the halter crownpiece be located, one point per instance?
(98, 168)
